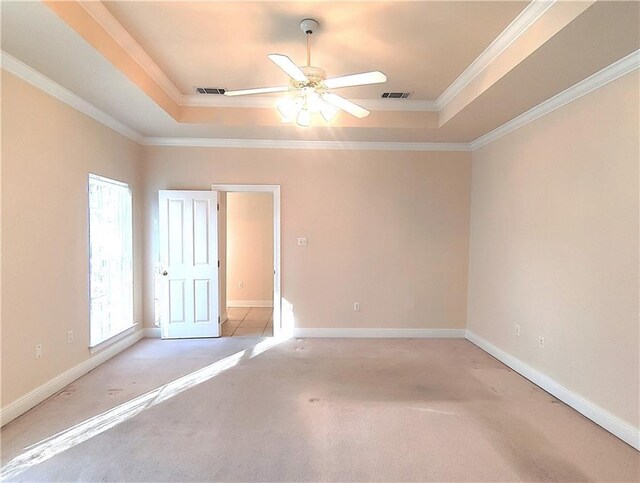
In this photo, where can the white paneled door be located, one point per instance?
(189, 264)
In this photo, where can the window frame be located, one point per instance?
(126, 328)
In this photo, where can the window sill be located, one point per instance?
(113, 339)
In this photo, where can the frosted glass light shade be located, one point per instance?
(288, 109)
(304, 118)
(328, 111)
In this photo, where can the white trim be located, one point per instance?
(249, 303)
(35, 78)
(380, 333)
(111, 25)
(278, 329)
(298, 144)
(48, 389)
(152, 332)
(515, 29)
(531, 13)
(409, 105)
(32, 76)
(610, 73)
(103, 345)
(623, 430)
(622, 67)
(251, 188)
(104, 179)
(206, 100)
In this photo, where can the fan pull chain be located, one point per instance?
(308, 50)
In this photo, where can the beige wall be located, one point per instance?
(249, 247)
(554, 246)
(553, 242)
(48, 149)
(386, 229)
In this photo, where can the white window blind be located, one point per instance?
(110, 258)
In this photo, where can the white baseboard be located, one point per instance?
(382, 333)
(249, 303)
(152, 332)
(623, 430)
(48, 389)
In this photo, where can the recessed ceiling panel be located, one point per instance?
(421, 46)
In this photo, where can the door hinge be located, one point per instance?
(218, 319)
(218, 206)
(218, 263)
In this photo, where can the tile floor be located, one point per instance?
(248, 322)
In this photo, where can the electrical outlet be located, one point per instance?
(69, 337)
(38, 351)
(516, 329)
(240, 284)
(540, 342)
(302, 242)
(356, 306)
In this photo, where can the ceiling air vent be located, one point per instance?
(395, 95)
(209, 90)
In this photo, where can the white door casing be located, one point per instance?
(281, 327)
(188, 225)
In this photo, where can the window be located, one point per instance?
(110, 258)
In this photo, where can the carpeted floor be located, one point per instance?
(309, 410)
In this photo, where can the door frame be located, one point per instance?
(274, 189)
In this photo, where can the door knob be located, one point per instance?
(165, 273)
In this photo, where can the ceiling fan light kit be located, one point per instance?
(309, 90)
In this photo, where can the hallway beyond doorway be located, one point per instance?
(248, 322)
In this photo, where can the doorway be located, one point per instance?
(249, 284)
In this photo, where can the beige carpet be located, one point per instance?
(309, 410)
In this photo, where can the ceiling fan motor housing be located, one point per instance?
(309, 26)
(315, 74)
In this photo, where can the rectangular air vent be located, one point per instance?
(395, 95)
(209, 90)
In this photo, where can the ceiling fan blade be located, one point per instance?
(287, 65)
(346, 105)
(375, 77)
(258, 90)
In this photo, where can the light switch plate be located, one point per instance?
(302, 242)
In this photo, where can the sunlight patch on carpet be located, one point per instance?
(100, 423)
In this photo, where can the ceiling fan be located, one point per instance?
(309, 90)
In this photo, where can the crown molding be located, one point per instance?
(35, 78)
(208, 100)
(531, 13)
(515, 29)
(204, 100)
(112, 26)
(610, 73)
(297, 144)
